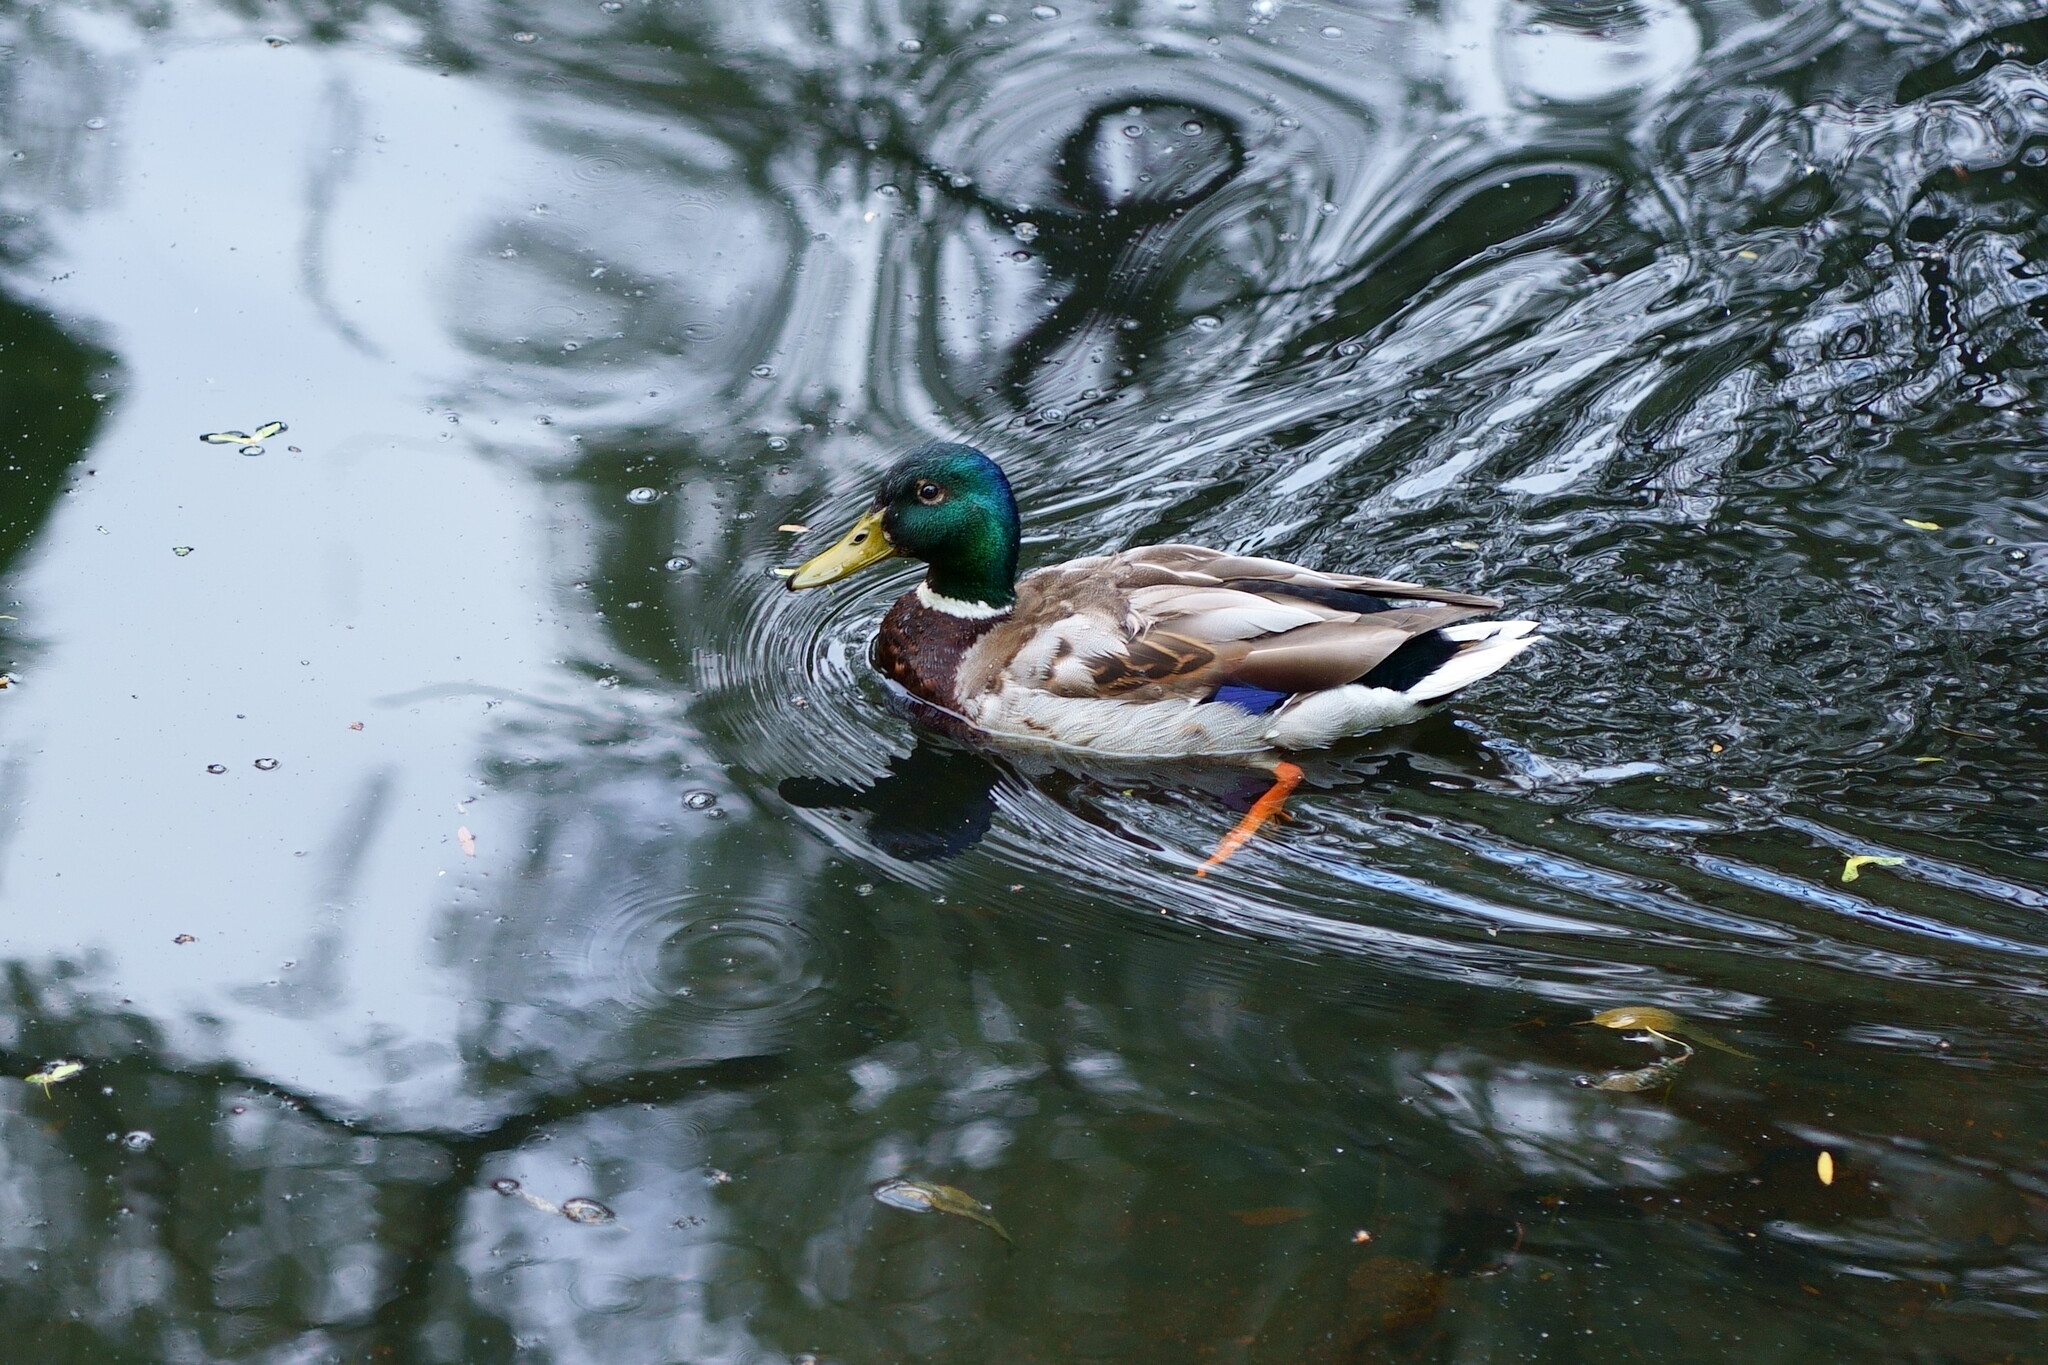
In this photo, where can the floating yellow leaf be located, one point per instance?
(1663, 1023)
(1746, 255)
(921, 1196)
(1824, 1167)
(1853, 868)
(1922, 525)
(793, 527)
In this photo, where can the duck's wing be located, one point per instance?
(1178, 622)
(1199, 566)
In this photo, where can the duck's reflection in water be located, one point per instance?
(939, 800)
(934, 802)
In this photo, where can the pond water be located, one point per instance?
(433, 815)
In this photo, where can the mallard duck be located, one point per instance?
(1161, 652)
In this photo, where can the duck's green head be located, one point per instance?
(948, 505)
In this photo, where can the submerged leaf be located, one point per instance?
(1649, 1077)
(1853, 868)
(1664, 1024)
(921, 1196)
(1270, 1217)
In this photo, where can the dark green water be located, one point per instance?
(551, 842)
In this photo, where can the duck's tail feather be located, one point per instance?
(1484, 647)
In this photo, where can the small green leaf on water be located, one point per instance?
(53, 1073)
(921, 1196)
(268, 430)
(1922, 525)
(226, 438)
(181, 550)
(1927, 758)
(1853, 868)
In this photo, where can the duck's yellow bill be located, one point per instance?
(865, 544)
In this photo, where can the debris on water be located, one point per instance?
(640, 497)
(922, 1196)
(1663, 1024)
(1824, 1167)
(138, 1141)
(181, 550)
(1269, 1217)
(699, 800)
(1922, 525)
(249, 441)
(55, 1073)
(185, 938)
(582, 1210)
(216, 768)
(355, 725)
(505, 1185)
(266, 765)
(467, 840)
(793, 527)
(1853, 868)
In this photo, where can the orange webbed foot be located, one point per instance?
(1286, 777)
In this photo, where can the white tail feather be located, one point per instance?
(1489, 645)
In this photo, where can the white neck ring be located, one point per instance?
(953, 606)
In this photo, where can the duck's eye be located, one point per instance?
(930, 494)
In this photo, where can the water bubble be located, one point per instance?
(1052, 414)
(887, 191)
(266, 765)
(251, 450)
(95, 123)
(1332, 31)
(526, 37)
(1134, 130)
(505, 1185)
(2016, 555)
(864, 889)
(699, 800)
(640, 497)
(582, 1210)
(572, 345)
(543, 420)
(678, 563)
(612, 6)
(763, 372)
(18, 156)
(138, 1141)
(1205, 322)
(1025, 232)
(1192, 128)
(1350, 347)
(1044, 12)
(1290, 122)
(276, 40)
(996, 20)
(216, 768)
(778, 443)
(911, 46)
(2035, 156)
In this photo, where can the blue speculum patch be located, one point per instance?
(1257, 700)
